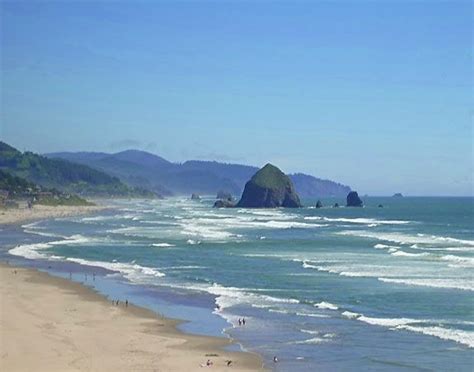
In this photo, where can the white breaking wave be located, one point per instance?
(406, 238)
(384, 246)
(459, 336)
(193, 242)
(326, 305)
(314, 340)
(30, 251)
(162, 245)
(463, 284)
(133, 272)
(43, 233)
(406, 254)
(312, 315)
(415, 325)
(388, 322)
(467, 261)
(366, 221)
(231, 296)
(205, 232)
(351, 315)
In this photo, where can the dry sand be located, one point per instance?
(52, 324)
(38, 212)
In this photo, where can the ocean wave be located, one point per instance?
(312, 315)
(417, 325)
(269, 213)
(33, 228)
(366, 221)
(313, 340)
(163, 245)
(456, 335)
(384, 246)
(350, 315)
(193, 242)
(389, 322)
(398, 253)
(231, 296)
(401, 238)
(465, 261)
(326, 305)
(132, 271)
(43, 233)
(462, 284)
(206, 232)
(30, 251)
(310, 331)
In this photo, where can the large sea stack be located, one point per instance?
(353, 200)
(269, 188)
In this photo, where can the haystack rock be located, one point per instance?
(269, 188)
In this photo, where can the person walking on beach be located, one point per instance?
(243, 321)
(240, 322)
(126, 303)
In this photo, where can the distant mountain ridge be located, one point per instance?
(143, 169)
(63, 175)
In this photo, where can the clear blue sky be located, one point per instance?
(374, 94)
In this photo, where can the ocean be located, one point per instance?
(330, 289)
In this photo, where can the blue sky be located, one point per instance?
(377, 95)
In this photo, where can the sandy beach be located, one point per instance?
(52, 324)
(38, 212)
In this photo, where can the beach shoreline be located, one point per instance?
(51, 323)
(40, 212)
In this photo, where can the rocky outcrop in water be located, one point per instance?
(222, 195)
(195, 197)
(224, 203)
(398, 195)
(269, 188)
(353, 200)
(319, 204)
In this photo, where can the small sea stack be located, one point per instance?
(195, 197)
(223, 195)
(224, 203)
(353, 200)
(319, 204)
